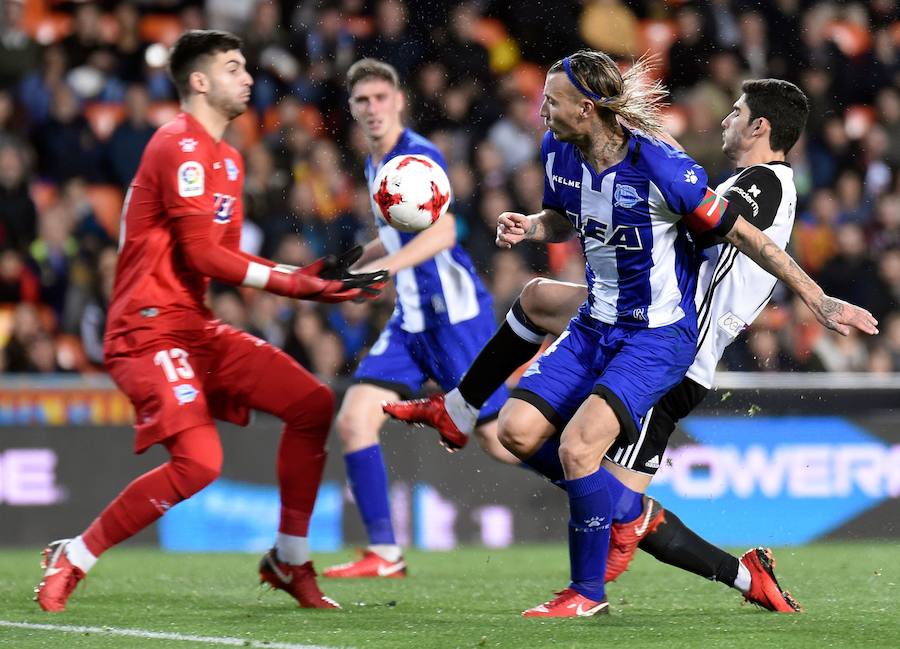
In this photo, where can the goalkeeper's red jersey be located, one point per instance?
(182, 215)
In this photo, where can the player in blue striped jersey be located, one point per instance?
(443, 317)
(630, 198)
(765, 123)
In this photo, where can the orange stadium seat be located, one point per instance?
(360, 27)
(851, 39)
(308, 117)
(6, 323)
(161, 112)
(489, 32)
(246, 127)
(106, 200)
(104, 117)
(44, 195)
(51, 28)
(529, 79)
(70, 354)
(858, 120)
(160, 28)
(675, 120)
(657, 37)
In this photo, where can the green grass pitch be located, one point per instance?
(470, 597)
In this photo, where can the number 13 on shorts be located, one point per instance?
(174, 364)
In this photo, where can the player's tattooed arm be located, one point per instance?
(832, 313)
(547, 226)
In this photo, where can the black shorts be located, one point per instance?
(645, 455)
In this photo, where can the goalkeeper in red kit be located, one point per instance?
(181, 369)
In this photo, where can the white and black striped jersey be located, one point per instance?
(732, 289)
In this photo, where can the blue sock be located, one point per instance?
(627, 504)
(546, 461)
(368, 482)
(590, 510)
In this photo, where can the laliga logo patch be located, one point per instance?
(231, 169)
(190, 179)
(626, 196)
(185, 393)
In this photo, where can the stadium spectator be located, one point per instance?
(92, 323)
(18, 52)
(65, 144)
(515, 134)
(126, 145)
(18, 284)
(18, 218)
(844, 169)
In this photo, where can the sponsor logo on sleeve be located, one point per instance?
(190, 179)
(231, 169)
(690, 177)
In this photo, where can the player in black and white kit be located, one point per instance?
(732, 290)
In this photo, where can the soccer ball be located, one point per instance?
(411, 192)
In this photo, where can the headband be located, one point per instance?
(584, 91)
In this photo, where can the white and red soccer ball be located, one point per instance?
(411, 192)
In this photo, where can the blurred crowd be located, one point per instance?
(83, 86)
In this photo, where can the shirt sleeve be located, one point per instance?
(183, 179)
(687, 188)
(755, 195)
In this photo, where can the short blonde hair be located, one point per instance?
(372, 68)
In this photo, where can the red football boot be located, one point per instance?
(764, 588)
(60, 578)
(370, 564)
(624, 537)
(297, 581)
(568, 603)
(429, 412)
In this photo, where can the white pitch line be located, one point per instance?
(159, 635)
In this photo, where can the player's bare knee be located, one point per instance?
(517, 438)
(531, 299)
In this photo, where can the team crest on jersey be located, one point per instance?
(626, 196)
(190, 179)
(185, 393)
(231, 169)
(188, 144)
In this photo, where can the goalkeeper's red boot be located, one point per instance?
(370, 564)
(61, 578)
(297, 581)
(429, 412)
(624, 537)
(764, 588)
(568, 603)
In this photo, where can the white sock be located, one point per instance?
(462, 414)
(79, 555)
(292, 549)
(742, 582)
(391, 553)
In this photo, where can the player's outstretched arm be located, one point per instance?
(547, 226)
(421, 248)
(835, 314)
(325, 280)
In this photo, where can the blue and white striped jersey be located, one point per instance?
(640, 262)
(442, 290)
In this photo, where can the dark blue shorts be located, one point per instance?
(629, 367)
(403, 361)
